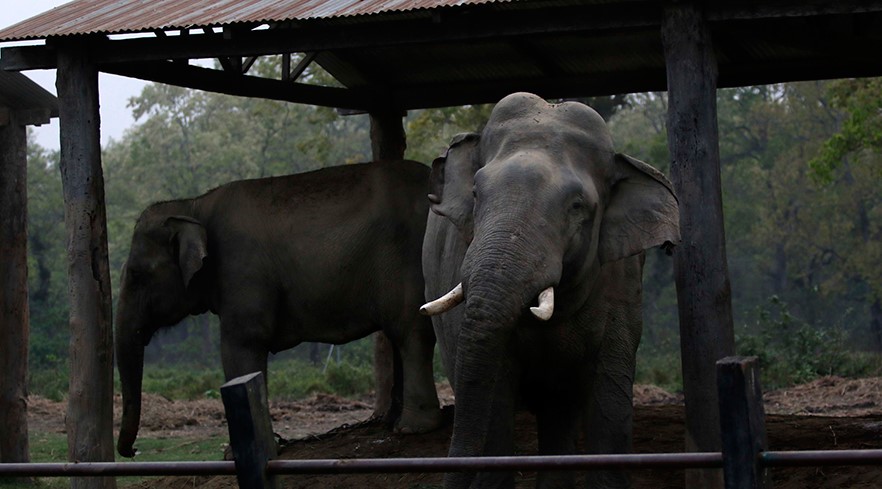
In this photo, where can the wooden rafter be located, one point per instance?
(241, 85)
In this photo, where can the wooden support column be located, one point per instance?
(90, 398)
(13, 291)
(388, 142)
(251, 430)
(701, 273)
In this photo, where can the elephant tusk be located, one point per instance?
(546, 305)
(444, 303)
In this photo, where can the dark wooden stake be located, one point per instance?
(702, 276)
(742, 423)
(13, 292)
(90, 398)
(251, 431)
(388, 142)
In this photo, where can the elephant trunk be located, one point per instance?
(484, 387)
(130, 362)
(499, 289)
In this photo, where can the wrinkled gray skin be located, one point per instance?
(327, 256)
(541, 199)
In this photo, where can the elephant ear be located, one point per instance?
(642, 213)
(191, 242)
(452, 182)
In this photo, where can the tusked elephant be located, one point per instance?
(538, 229)
(327, 256)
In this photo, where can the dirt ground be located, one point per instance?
(829, 413)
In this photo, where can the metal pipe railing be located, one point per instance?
(672, 461)
(820, 457)
(111, 469)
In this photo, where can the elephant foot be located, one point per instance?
(414, 422)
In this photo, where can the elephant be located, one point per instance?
(326, 256)
(538, 228)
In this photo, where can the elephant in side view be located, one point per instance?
(327, 256)
(539, 227)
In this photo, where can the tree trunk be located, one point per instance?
(700, 269)
(13, 294)
(90, 398)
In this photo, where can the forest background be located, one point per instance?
(801, 175)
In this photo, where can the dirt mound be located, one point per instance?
(829, 396)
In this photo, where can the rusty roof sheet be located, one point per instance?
(132, 16)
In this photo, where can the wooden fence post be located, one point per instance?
(251, 431)
(742, 423)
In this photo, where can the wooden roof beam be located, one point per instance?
(241, 85)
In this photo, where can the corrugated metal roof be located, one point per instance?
(19, 92)
(131, 16)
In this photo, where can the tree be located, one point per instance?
(47, 266)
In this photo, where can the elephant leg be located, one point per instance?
(387, 379)
(610, 412)
(238, 361)
(420, 411)
(557, 424)
(241, 354)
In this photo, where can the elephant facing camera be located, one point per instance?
(533, 260)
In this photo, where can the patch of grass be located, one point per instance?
(181, 382)
(52, 448)
(295, 379)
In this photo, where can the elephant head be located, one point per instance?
(158, 282)
(543, 201)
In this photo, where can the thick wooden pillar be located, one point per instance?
(388, 142)
(90, 399)
(13, 290)
(702, 276)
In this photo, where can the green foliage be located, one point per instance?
(430, 131)
(859, 131)
(347, 370)
(659, 364)
(49, 380)
(181, 383)
(47, 262)
(792, 351)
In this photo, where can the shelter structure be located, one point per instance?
(392, 56)
(22, 103)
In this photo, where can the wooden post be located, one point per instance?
(90, 398)
(251, 431)
(701, 273)
(388, 142)
(742, 423)
(13, 292)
